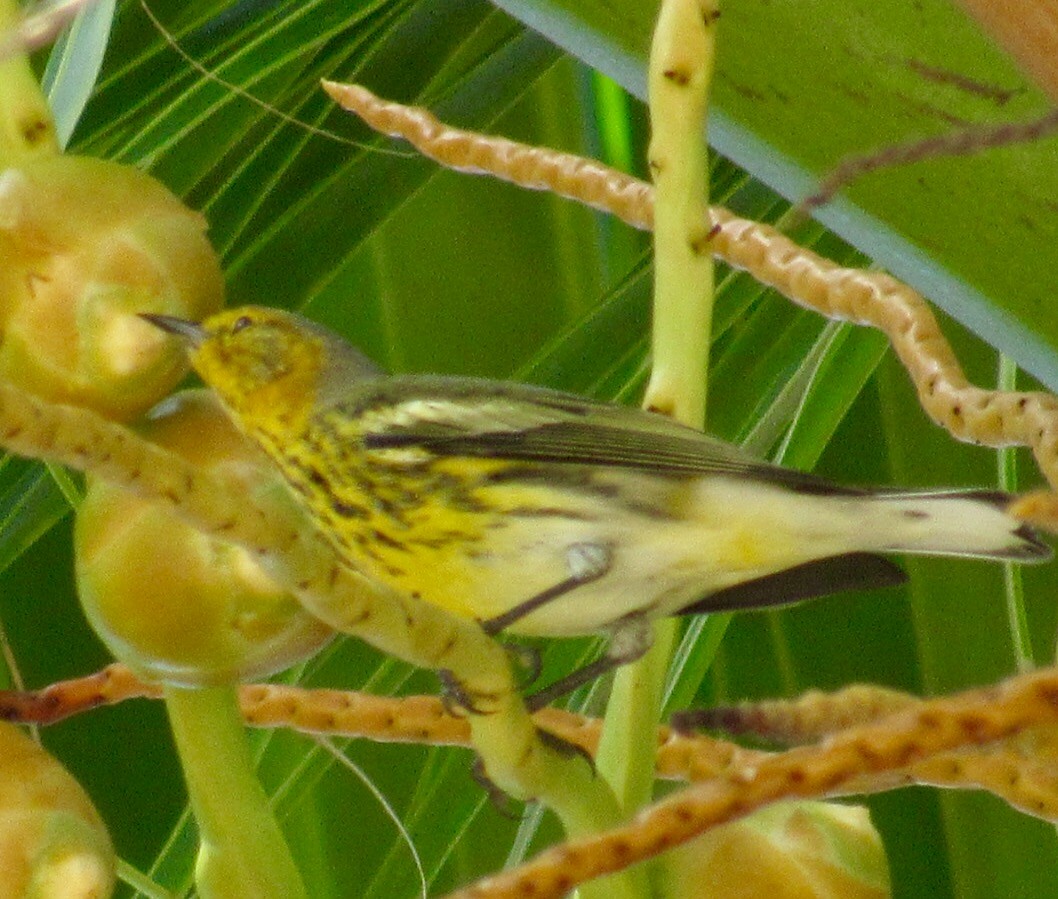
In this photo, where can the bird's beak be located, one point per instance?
(192, 332)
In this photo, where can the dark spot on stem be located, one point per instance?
(677, 76)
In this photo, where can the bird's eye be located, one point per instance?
(242, 322)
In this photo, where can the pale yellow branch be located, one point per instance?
(681, 65)
(679, 75)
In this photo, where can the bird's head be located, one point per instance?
(269, 366)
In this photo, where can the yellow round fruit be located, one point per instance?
(174, 604)
(53, 844)
(790, 850)
(85, 245)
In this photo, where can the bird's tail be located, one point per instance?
(973, 523)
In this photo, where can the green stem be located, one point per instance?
(681, 66)
(26, 126)
(243, 854)
(681, 63)
(629, 734)
(625, 758)
(512, 748)
(1014, 589)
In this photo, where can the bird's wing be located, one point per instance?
(485, 419)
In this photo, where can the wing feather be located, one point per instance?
(486, 419)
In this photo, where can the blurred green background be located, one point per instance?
(431, 271)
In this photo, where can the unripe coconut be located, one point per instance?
(790, 850)
(53, 844)
(85, 244)
(176, 605)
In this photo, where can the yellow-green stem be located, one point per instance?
(242, 854)
(681, 64)
(629, 735)
(26, 126)
(1017, 617)
(564, 781)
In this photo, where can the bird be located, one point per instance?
(543, 513)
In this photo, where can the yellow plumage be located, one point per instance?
(550, 514)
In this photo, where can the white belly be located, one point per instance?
(658, 566)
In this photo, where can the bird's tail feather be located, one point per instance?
(970, 523)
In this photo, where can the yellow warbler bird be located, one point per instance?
(549, 514)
